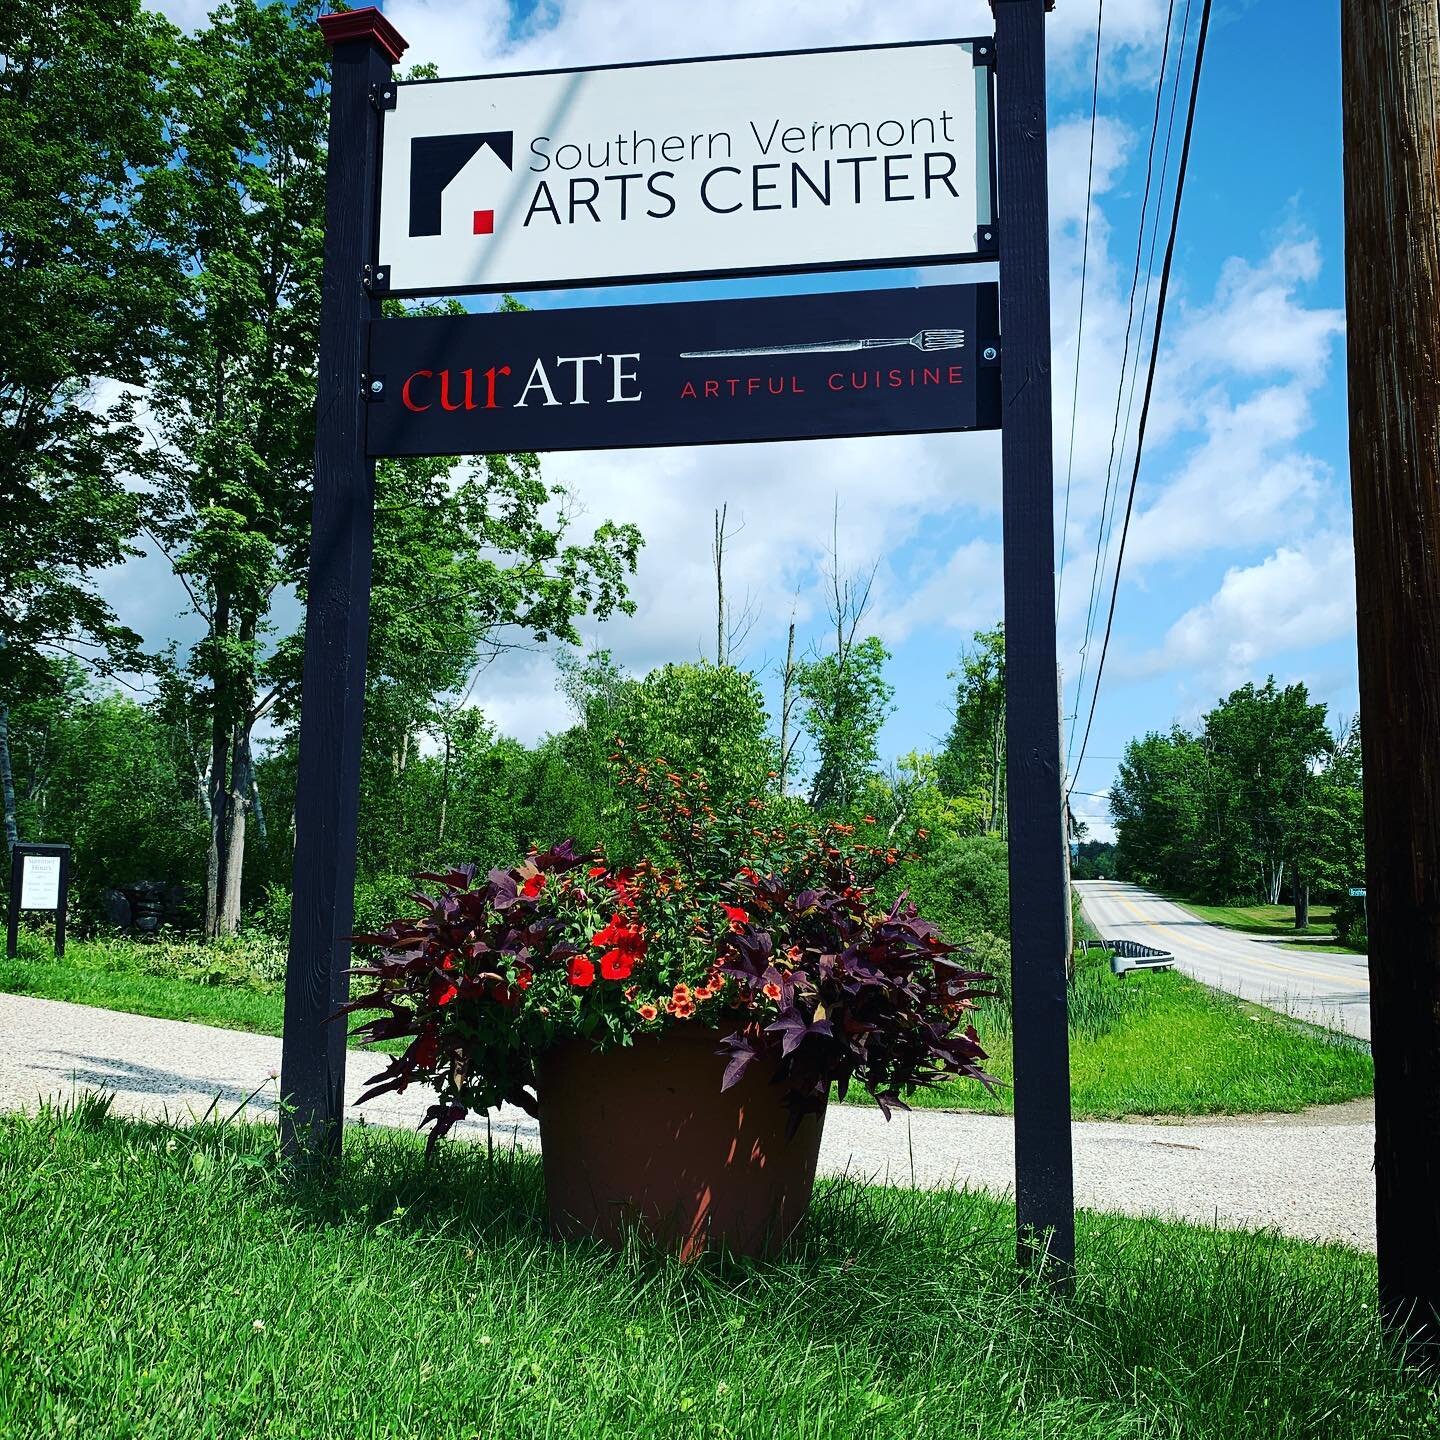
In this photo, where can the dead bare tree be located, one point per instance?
(731, 632)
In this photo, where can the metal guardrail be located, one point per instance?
(1127, 955)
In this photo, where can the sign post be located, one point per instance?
(1039, 897)
(856, 157)
(364, 46)
(39, 880)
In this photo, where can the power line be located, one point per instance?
(1154, 357)
(1080, 333)
(1124, 364)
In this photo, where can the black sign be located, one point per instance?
(872, 362)
(39, 880)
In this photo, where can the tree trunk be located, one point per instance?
(237, 806)
(1391, 117)
(237, 797)
(444, 792)
(1302, 901)
(787, 703)
(7, 784)
(718, 550)
(219, 767)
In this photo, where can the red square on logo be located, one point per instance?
(484, 222)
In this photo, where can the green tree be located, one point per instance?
(1267, 743)
(1158, 800)
(86, 291)
(233, 394)
(97, 772)
(846, 699)
(972, 764)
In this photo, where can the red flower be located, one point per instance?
(533, 886)
(616, 965)
(523, 976)
(596, 871)
(581, 973)
(442, 991)
(738, 918)
(623, 944)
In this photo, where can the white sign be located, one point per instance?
(39, 882)
(802, 161)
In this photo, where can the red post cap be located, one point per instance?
(366, 24)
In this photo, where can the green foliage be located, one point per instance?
(700, 719)
(97, 771)
(963, 884)
(1093, 860)
(846, 699)
(1352, 922)
(1261, 790)
(85, 291)
(971, 767)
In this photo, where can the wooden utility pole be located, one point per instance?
(1391, 55)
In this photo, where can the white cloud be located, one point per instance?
(476, 37)
(1301, 596)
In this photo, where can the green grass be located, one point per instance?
(237, 986)
(227, 1006)
(1276, 923)
(166, 1283)
(1150, 1044)
(1159, 1043)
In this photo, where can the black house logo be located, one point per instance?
(435, 160)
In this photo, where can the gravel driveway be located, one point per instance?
(1307, 1175)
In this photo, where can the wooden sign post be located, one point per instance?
(1039, 896)
(462, 206)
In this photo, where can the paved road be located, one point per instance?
(1331, 990)
(1305, 1175)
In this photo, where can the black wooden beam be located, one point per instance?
(364, 46)
(1039, 902)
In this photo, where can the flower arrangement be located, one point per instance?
(769, 935)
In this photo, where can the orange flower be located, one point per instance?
(647, 1011)
(771, 992)
(681, 992)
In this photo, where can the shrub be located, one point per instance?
(963, 885)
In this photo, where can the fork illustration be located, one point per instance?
(926, 340)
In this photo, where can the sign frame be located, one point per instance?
(944, 390)
(18, 855)
(364, 48)
(983, 56)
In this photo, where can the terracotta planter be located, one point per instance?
(644, 1135)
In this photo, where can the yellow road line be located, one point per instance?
(1316, 974)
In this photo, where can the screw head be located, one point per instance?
(990, 352)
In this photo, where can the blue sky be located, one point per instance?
(1239, 560)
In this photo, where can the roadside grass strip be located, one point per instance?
(168, 1282)
(1276, 923)
(1162, 1044)
(1151, 1044)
